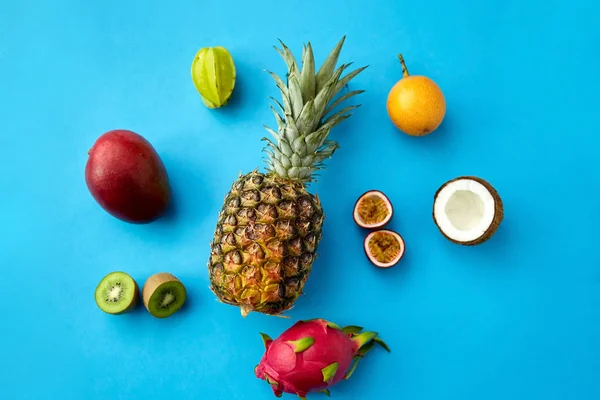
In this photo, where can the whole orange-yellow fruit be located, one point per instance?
(416, 104)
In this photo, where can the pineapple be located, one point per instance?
(270, 226)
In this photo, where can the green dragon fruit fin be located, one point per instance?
(271, 381)
(301, 344)
(352, 368)
(313, 319)
(382, 344)
(352, 329)
(333, 325)
(329, 372)
(326, 392)
(365, 349)
(301, 397)
(266, 339)
(364, 338)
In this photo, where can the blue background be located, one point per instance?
(515, 318)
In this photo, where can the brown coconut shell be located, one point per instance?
(498, 211)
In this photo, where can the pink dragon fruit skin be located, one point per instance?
(312, 356)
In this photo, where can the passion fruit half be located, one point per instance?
(373, 210)
(384, 248)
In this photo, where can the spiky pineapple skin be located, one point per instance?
(269, 228)
(265, 243)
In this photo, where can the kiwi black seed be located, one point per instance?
(163, 295)
(117, 293)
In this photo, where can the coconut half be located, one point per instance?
(384, 248)
(467, 210)
(373, 210)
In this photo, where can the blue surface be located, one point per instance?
(515, 318)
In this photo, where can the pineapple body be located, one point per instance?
(270, 226)
(265, 243)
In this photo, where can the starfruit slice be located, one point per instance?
(213, 74)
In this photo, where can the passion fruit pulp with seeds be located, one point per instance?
(372, 210)
(384, 248)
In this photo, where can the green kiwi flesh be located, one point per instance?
(163, 295)
(117, 293)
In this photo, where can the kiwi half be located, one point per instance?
(163, 295)
(117, 293)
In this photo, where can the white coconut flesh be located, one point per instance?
(373, 195)
(464, 210)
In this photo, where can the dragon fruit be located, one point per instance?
(312, 356)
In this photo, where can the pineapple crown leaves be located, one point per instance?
(307, 113)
